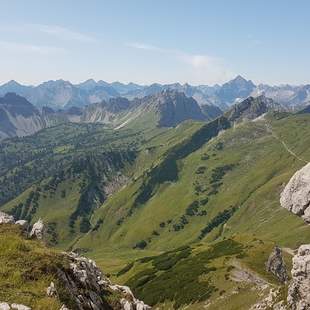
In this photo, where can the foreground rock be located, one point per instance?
(296, 195)
(299, 289)
(6, 219)
(90, 289)
(6, 306)
(9, 219)
(37, 230)
(276, 265)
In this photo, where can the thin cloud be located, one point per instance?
(201, 64)
(146, 47)
(15, 47)
(56, 31)
(64, 33)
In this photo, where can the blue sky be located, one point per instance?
(144, 41)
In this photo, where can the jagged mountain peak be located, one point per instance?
(173, 107)
(90, 83)
(251, 108)
(14, 99)
(11, 83)
(240, 81)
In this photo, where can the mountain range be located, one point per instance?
(63, 94)
(165, 109)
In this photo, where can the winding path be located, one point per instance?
(269, 129)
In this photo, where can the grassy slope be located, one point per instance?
(53, 208)
(259, 166)
(262, 165)
(56, 209)
(202, 274)
(25, 270)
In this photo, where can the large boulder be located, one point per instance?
(296, 195)
(6, 219)
(298, 297)
(276, 265)
(37, 230)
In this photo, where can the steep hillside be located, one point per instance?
(63, 174)
(187, 188)
(180, 197)
(18, 117)
(36, 277)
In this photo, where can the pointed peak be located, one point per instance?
(240, 78)
(11, 83)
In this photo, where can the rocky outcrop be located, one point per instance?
(23, 223)
(296, 195)
(37, 230)
(6, 306)
(6, 219)
(276, 265)
(78, 284)
(90, 289)
(299, 289)
(51, 290)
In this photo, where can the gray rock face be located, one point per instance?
(296, 195)
(6, 219)
(276, 265)
(251, 108)
(37, 230)
(299, 290)
(88, 287)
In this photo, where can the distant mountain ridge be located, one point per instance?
(165, 109)
(63, 94)
(251, 108)
(18, 117)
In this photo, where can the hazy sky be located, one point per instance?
(144, 41)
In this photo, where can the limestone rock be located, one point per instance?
(24, 225)
(19, 307)
(51, 290)
(4, 306)
(6, 219)
(299, 289)
(37, 230)
(88, 286)
(276, 265)
(296, 195)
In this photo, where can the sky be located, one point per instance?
(164, 41)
